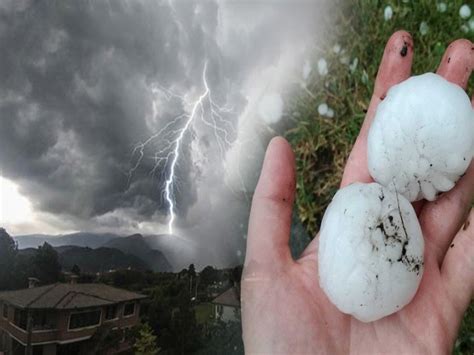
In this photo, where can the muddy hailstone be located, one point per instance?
(370, 251)
(422, 138)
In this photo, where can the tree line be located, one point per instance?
(17, 266)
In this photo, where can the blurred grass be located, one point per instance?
(322, 144)
(204, 313)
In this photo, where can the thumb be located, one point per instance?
(272, 205)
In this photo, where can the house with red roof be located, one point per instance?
(65, 318)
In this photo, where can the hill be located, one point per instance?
(81, 239)
(98, 260)
(137, 245)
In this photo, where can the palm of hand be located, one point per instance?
(283, 308)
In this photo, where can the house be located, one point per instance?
(227, 305)
(65, 318)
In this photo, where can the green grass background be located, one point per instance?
(322, 144)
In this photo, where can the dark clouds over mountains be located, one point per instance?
(76, 96)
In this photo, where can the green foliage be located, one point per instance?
(208, 276)
(321, 144)
(204, 313)
(47, 266)
(17, 266)
(170, 312)
(223, 338)
(8, 253)
(76, 270)
(192, 271)
(145, 344)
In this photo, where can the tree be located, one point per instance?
(192, 276)
(76, 270)
(208, 276)
(8, 253)
(145, 344)
(47, 266)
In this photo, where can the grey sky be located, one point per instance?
(78, 92)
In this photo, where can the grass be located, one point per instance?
(322, 144)
(204, 312)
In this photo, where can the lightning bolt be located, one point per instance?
(170, 138)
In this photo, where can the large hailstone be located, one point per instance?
(422, 138)
(370, 251)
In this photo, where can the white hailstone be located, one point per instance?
(323, 109)
(337, 48)
(424, 28)
(465, 28)
(365, 77)
(322, 67)
(422, 138)
(306, 70)
(330, 113)
(270, 108)
(353, 65)
(471, 24)
(387, 13)
(370, 257)
(441, 7)
(465, 11)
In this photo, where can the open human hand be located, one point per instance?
(283, 308)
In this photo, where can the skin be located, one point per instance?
(283, 308)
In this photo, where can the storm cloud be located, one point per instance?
(77, 95)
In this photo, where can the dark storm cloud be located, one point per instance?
(76, 97)
(75, 94)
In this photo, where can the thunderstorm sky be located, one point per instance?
(84, 82)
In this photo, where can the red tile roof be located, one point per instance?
(68, 296)
(230, 298)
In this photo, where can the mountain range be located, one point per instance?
(98, 252)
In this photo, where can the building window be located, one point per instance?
(20, 318)
(84, 319)
(44, 320)
(129, 309)
(5, 311)
(111, 312)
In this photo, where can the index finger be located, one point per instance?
(394, 68)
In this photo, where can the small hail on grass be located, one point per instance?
(471, 24)
(465, 28)
(336, 48)
(387, 13)
(465, 11)
(270, 108)
(322, 67)
(325, 110)
(365, 77)
(441, 7)
(424, 28)
(353, 65)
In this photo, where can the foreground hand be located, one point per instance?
(283, 308)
